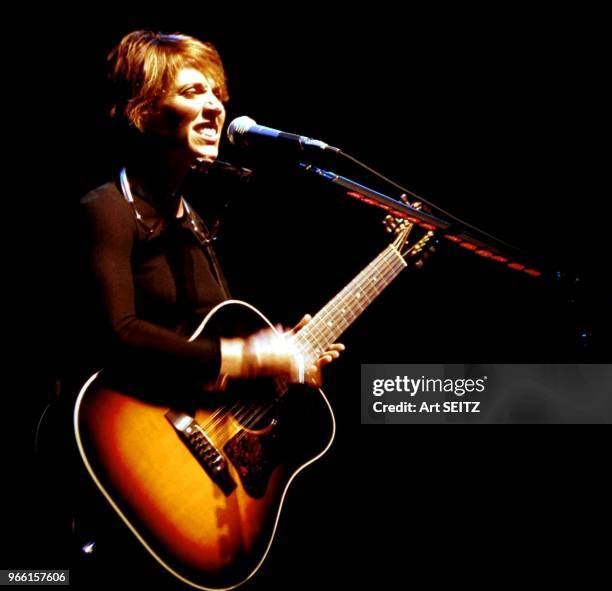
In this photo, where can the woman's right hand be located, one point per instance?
(268, 353)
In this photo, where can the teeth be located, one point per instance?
(209, 132)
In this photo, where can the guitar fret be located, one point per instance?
(350, 302)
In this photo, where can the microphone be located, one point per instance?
(244, 131)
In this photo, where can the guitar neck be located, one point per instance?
(339, 313)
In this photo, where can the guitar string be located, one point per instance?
(334, 313)
(257, 412)
(392, 271)
(311, 327)
(251, 414)
(241, 412)
(248, 414)
(330, 314)
(312, 339)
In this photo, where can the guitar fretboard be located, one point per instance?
(338, 314)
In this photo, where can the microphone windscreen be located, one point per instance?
(238, 128)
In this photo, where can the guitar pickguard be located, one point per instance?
(254, 456)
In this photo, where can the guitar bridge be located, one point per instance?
(203, 449)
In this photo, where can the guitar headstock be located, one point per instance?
(421, 249)
(402, 228)
(394, 225)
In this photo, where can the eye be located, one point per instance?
(190, 92)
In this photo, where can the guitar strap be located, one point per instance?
(203, 236)
(196, 225)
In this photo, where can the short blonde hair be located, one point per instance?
(145, 64)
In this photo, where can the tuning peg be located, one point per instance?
(389, 223)
(395, 224)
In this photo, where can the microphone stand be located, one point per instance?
(453, 232)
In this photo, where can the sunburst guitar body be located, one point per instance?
(200, 477)
(201, 483)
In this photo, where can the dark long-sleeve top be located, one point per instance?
(149, 290)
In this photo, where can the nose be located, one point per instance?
(213, 104)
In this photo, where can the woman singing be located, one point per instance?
(152, 278)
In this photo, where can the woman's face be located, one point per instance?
(190, 116)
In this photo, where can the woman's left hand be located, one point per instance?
(312, 373)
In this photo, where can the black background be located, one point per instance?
(498, 117)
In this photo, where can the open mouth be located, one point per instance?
(208, 131)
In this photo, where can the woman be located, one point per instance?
(153, 271)
(153, 277)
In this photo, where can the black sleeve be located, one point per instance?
(109, 234)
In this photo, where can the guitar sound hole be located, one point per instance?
(253, 402)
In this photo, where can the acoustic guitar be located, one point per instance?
(201, 482)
